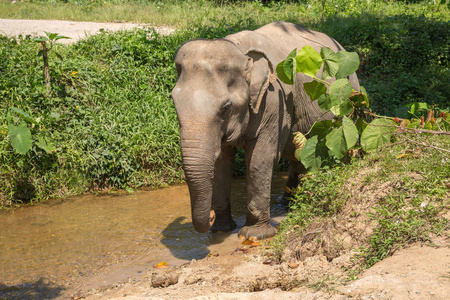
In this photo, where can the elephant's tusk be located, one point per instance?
(212, 218)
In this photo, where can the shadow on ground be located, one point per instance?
(39, 289)
(185, 243)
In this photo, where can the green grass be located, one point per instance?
(418, 188)
(180, 14)
(110, 113)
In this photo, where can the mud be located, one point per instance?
(90, 241)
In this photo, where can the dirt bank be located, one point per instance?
(417, 272)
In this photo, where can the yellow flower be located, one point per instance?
(73, 73)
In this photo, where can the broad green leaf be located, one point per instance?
(299, 142)
(308, 61)
(281, 75)
(289, 65)
(343, 109)
(51, 35)
(324, 102)
(363, 90)
(25, 116)
(340, 91)
(340, 140)
(416, 106)
(320, 128)
(376, 134)
(20, 137)
(47, 147)
(361, 125)
(310, 156)
(59, 37)
(348, 64)
(40, 39)
(314, 89)
(331, 63)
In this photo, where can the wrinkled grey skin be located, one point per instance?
(227, 96)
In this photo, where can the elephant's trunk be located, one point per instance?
(199, 156)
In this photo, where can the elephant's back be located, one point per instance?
(278, 39)
(295, 36)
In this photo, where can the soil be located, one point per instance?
(310, 270)
(316, 264)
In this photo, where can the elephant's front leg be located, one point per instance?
(223, 175)
(260, 162)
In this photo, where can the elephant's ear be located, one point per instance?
(261, 75)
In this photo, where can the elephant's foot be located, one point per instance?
(257, 232)
(223, 225)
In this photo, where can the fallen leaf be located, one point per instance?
(293, 265)
(255, 244)
(287, 189)
(402, 155)
(268, 261)
(247, 242)
(161, 265)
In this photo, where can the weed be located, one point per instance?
(406, 200)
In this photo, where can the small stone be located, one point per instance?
(191, 279)
(164, 279)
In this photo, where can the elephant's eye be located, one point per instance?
(226, 107)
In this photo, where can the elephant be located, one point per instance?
(227, 96)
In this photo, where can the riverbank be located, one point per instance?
(416, 272)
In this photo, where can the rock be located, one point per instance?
(164, 279)
(191, 279)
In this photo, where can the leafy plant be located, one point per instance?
(20, 135)
(331, 139)
(47, 43)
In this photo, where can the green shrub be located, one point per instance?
(404, 58)
(109, 115)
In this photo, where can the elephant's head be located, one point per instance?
(218, 88)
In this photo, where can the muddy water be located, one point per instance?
(55, 249)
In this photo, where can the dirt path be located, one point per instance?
(73, 29)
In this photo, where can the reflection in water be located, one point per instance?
(66, 242)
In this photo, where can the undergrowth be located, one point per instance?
(110, 115)
(415, 209)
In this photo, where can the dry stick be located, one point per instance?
(46, 71)
(412, 130)
(424, 130)
(427, 145)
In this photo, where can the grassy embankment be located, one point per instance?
(109, 113)
(375, 206)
